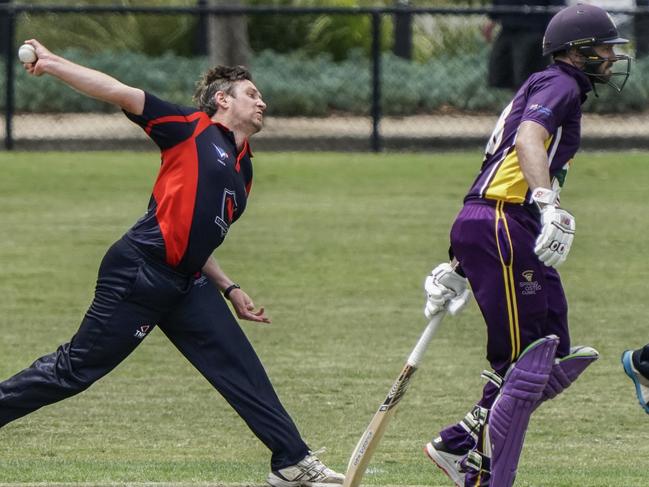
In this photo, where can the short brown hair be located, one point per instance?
(219, 78)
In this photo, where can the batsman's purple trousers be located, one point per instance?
(520, 298)
(135, 293)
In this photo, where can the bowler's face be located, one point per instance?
(247, 106)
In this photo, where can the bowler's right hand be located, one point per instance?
(43, 54)
(445, 288)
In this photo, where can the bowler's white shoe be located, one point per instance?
(308, 472)
(449, 462)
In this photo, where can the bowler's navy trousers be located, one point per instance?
(134, 293)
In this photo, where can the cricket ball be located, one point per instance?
(27, 54)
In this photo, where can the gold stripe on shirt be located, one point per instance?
(508, 183)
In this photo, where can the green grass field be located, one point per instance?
(336, 246)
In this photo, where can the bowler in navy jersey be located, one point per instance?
(162, 273)
(202, 187)
(507, 241)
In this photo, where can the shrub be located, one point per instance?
(299, 84)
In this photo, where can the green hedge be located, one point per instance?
(302, 85)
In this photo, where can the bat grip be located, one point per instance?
(424, 339)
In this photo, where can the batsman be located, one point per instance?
(507, 241)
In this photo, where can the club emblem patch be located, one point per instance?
(529, 286)
(228, 209)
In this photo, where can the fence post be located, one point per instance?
(403, 30)
(641, 29)
(376, 81)
(200, 38)
(10, 23)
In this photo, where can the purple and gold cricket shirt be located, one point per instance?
(551, 98)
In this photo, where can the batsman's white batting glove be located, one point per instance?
(557, 229)
(445, 288)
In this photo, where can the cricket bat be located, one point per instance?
(372, 435)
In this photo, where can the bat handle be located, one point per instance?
(424, 340)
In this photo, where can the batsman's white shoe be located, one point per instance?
(446, 460)
(309, 472)
(640, 381)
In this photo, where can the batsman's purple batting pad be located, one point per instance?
(566, 370)
(510, 414)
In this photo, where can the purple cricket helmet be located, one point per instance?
(580, 25)
(583, 26)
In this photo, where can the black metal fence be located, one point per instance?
(416, 79)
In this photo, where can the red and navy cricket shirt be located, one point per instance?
(201, 189)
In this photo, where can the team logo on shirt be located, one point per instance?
(529, 285)
(228, 209)
(221, 154)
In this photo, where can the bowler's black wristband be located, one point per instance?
(226, 293)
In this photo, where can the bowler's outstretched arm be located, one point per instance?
(90, 82)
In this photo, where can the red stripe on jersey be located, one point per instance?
(229, 208)
(175, 195)
(248, 187)
(244, 151)
(203, 123)
(172, 119)
(175, 189)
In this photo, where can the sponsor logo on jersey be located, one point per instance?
(541, 109)
(142, 331)
(221, 154)
(200, 280)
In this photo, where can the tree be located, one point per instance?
(227, 36)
